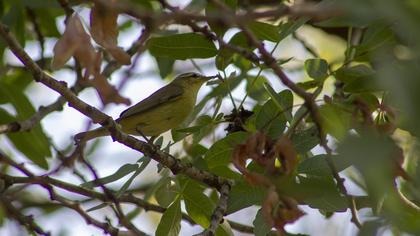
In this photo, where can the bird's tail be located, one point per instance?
(88, 135)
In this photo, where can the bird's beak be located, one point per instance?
(210, 77)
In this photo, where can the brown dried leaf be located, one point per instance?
(75, 42)
(268, 205)
(120, 55)
(87, 56)
(287, 154)
(106, 91)
(280, 211)
(103, 23)
(256, 179)
(68, 43)
(104, 30)
(263, 151)
(288, 213)
(239, 158)
(253, 149)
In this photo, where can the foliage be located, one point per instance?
(336, 122)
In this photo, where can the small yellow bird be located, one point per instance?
(165, 109)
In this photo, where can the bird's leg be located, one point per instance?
(149, 141)
(152, 139)
(144, 136)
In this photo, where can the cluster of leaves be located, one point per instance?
(77, 43)
(268, 152)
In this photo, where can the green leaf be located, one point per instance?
(212, 10)
(196, 6)
(220, 152)
(199, 206)
(283, 100)
(265, 31)
(152, 190)
(320, 193)
(120, 173)
(2, 213)
(345, 21)
(317, 68)
(97, 207)
(226, 86)
(335, 120)
(170, 223)
(375, 156)
(305, 140)
(225, 171)
(182, 46)
(261, 228)
(144, 4)
(225, 56)
(255, 88)
(242, 63)
(190, 130)
(206, 123)
(310, 84)
(5, 117)
(357, 79)
(197, 150)
(47, 20)
(377, 37)
(33, 144)
(291, 26)
(243, 195)
(144, 163)
(370, 228)
(368, 99)
(349, 74)
(165, 66)
(328, 203)
(15, 19)
(166, 192)
(19, 79)
(317, 165)
(224, 229)
(271, 118)
(40, 3)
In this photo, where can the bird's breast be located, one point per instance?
(156, 121)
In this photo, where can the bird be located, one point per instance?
(163, 110)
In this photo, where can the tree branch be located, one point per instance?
(125, 198)
(174, 164)
(26, 221)
(309, 99)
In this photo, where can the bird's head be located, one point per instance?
(191, 79)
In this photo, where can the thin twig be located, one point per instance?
(38, 33)
(313, 109)
(118, 211)
(219, 211)
(26, 221)
(97, 116)
(92, 194)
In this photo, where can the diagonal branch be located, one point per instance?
(26, 125)
(26, 221)
(174, 164)
(219, 212)
(309, 99)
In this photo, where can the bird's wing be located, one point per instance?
(168, 93)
